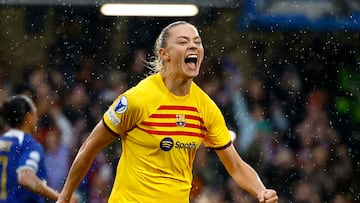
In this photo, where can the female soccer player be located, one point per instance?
(23, 175)
(162, 122)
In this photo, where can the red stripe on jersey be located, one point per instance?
(194, 118)
(173, 133)
(163, 116)
(184, 108)
(156, 124)
(174, 116)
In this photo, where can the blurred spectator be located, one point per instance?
(211, 195)
(340, 198)
(57, 83)
(306, 192)
(339, 169)
(5, 88)
(237, 195)
(48, 102)
(318, 141)
(100, 179)
(57, 153)
(85, 73)
(117, 85)
(315, 129)
(283, 173)
(252, 116)
(286, 91)
(77, 108)
(96, 185)
(257, 117)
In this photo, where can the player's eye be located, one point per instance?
(198, 42)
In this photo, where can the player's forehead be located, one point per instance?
(183, 31)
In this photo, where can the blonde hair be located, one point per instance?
(156, 63)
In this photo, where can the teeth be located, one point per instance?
(191, 58)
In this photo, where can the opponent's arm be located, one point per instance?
(245, 176)
(28, 179)
(97, 140)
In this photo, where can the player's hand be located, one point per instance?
(73, 199)
(268, 196)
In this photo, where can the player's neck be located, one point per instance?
(26, 128)
(177, 85)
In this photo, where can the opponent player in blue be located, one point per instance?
(22, 169)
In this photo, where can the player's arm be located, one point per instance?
(244, 175)
(28, 179)
(97, 140)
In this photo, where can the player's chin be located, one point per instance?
(191, 73)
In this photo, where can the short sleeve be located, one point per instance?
(218, 135)
(122, 115)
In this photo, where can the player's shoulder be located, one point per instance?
(147, 83)
(14, 134)
(29, 140)
(201, 96)
(21, 138)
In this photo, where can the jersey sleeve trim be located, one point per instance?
(109, 129)
(222, 147)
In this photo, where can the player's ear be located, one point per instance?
(164, 55)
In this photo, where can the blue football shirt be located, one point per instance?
(19, 150)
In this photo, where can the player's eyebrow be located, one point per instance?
(185, 37)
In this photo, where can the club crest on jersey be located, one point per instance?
(180, 120)
(122, 105)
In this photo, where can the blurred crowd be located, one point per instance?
(285, 133)
(282, 129)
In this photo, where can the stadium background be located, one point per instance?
(73, 61)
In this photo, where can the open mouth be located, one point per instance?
(191, 59)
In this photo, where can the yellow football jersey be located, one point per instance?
(160, 135)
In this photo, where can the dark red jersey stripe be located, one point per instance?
(109, 129)
(223, 147)
(185, 108)
(194, 118)
(163, 116)
(174, 116)
(157, 124)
